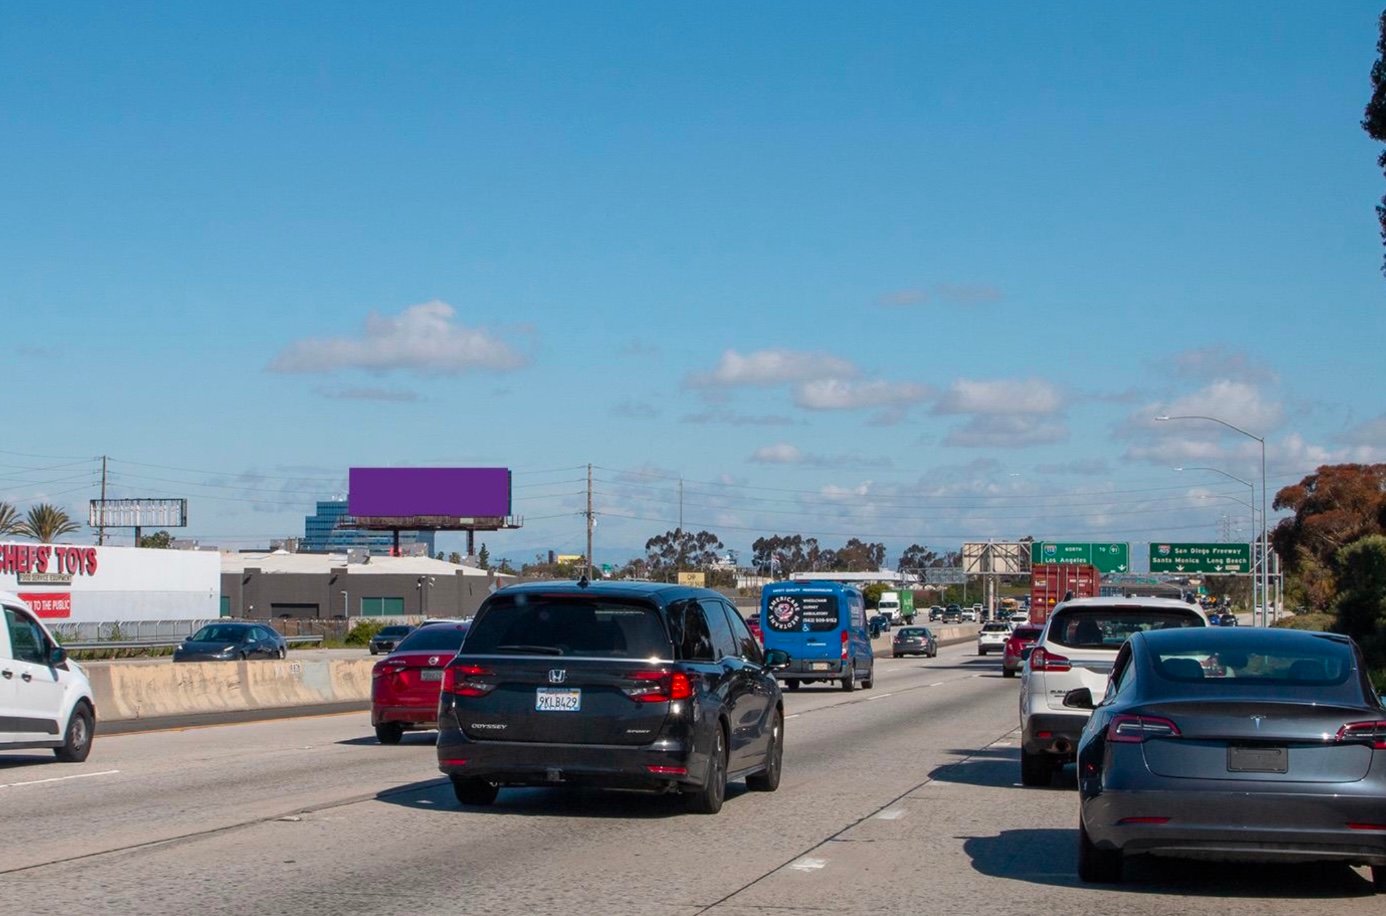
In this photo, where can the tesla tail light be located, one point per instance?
(1136, 821)
(1125, 729)
(659, 686)
(465, 680)
(1044, 660)
(1373, 733)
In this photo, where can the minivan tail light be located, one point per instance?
(659, 686)
(844, 645)
(1127, 729)
(1044, 660)
(464, 680)
(1373, 733)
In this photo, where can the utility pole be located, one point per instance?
(680, 503)
(101, 528)
(589, 522)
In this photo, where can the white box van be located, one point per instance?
(45, 698)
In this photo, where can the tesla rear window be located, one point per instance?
(559, 625)
(446, 637)
(1108, 628)
(1327, 666)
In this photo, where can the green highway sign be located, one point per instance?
(1224, 559)
(1107, 557)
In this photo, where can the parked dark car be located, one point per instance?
(878, 624)
(953, 614)
(405, 684)
(388, 638)
(635, 685)
(1228, 619)
(1251, 744)
(230, 642)
(914, 641)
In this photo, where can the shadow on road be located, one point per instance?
(1050, 857)
(997, 768)
(429, 737)
(563, 801)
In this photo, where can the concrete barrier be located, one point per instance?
(132, 692)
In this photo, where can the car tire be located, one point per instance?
(870, 680)
(1008, 672)
(389, 732)
(373, 652)
(849, 680)
(708, 798)
(283, 652)
(1379, 878)
(81, 728)
(1035, 769)
(792, 684)
(473, 792)
(768, 779)
(245, 655)
(1097, 866)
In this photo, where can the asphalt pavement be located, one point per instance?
(900, 799)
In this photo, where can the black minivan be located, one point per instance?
(635, 685)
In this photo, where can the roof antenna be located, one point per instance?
(583, 583)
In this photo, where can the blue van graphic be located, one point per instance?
(822, 626)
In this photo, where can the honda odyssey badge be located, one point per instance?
(557, 675)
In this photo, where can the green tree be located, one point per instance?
(505, 568)
(45, 523)
(455, 558)
(1361, 604)
(1374, 119)
(9, 519)
(483, 557)
(680, 551)
(160, 539)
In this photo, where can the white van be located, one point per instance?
(45, 698)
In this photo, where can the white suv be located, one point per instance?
(45, 699)
(1076, 649)
(992, 637)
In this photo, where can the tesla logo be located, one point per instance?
(557, 675)
(1257, 720)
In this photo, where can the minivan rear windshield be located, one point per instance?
(1108, 628)
(799, 612)
(526, 624)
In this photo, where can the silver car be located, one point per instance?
(1237, 744)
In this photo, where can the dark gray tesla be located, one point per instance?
(231, 641)
(1237, 744)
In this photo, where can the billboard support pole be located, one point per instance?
(101, 530)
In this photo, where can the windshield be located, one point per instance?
(1026, 633)
(436, 637)
(568, 625)
(220, 633)
(888, 604)
(914, 631)
(1108, 628)
(394, 631)
(996, 628)
(1326, 665)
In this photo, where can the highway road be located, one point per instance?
(901, 799)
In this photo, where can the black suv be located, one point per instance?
(633, 685)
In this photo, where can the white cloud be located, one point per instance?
(1007, 431)
(835, 494)
(842, 394)
(1239, 403)
(1000, 396)
(767, 368)
(423, 338)
(779, 453)
(1372, 433)
(1219, 362)
(1088, 467)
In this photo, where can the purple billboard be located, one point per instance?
(407, 492)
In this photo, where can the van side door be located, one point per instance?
(38, 691)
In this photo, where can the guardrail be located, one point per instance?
(159, 643)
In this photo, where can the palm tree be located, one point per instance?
(9, 519)
(46, 523)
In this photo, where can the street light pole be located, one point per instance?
(1265, 540)
(1252, 506)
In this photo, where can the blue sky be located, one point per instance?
(910, 272)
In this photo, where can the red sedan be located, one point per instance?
(753, 624)
(406, 683)
(1023, 637)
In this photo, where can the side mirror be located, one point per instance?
(56, 656)
(1079, 698)
(776, 659)
(1025, 652)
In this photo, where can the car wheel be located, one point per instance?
(708, 799)
(1097, 866)
(870, 680)
(389, 732)
(283, 652)
(1035, 769)
(792, 683)
(244, 655)
(849, 680)
(1379, 878)
(768, 779)
(373, 652)
(473, 791)
(77, 739)
(1008, 672)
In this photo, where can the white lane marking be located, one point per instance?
(894, 814)
(808, 864)
(37, 782)
(880, 696)
(794, 715)
(939, 684)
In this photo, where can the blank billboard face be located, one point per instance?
(459, 492)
